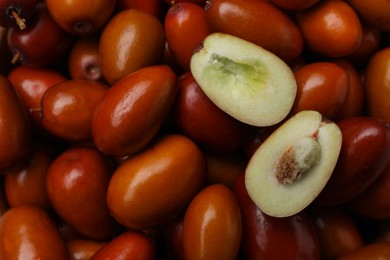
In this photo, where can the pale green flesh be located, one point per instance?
(244, 80)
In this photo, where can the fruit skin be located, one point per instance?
(294, 5)
(337, 231)
(31, 83)
(83, 248)
(377, 84)
(263, 235)
(130, 244)
(131, 40)
(330, 28)
(374, 250)
(28, 232)
(154, 7)
(373, 202)
(375, 12)
(15, 129)
(24, 42)
(76, 183)
(67, 108)
(200, 119)
(259, 22)
(318, 80)
(212, 225)
(156, 185)
(27, 184)
(356, 170)
(185, 23)
(81, 17)
(133, 110)
(83, 59)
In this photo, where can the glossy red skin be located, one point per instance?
(128, 245)
(25, 9)
(330, 28)
(337, 232)
(77, 182)
(80, 249)
(28, 232)
(30, 84)
(212, 226)
(374, 202)
(259, 22)
(365, 152)
(200, 119)
(354, 101)
(374, 250)
(154, 7)
(27, 185)
(81, 17)
(185, 27)
(154, 186)
(133, 110)
(321, 86)
(198, 2)
(15, 129)
(25, 41)
(67, 108)
(173, 237)
(376, 84)
(266, 237)
(83, 59)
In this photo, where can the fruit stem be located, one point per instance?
(19, 21)
(16, 57)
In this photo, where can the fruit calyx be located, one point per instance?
(82, 27)
(298, 160)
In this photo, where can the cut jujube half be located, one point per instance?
(288, 171)
(243, 79)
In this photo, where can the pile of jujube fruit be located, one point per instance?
(109, 149)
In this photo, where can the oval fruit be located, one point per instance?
(212, 226)
(131, 40)
(133, 110)
(356, 170)
(77, 182)
(67, 108)
(259, 22)
(154, 186)
(377, 84)
(15, 130)
(28, 232)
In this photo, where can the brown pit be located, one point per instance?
(297, 160)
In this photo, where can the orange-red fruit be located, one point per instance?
(133, 110)
(131, 40)
(321, 86)
(28, 232)
(67, 108)
(373, 250)
(15, 130)
(80, 249)
(154, 186)
(377, 84)
(212, 225)
(81, 17)
(375, 12)
(185, 27)
(294, 5)
(259, 22)
(128, 245)
(77, 182)
(331, 28)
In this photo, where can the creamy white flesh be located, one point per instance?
(285, 199)
(246, 81)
